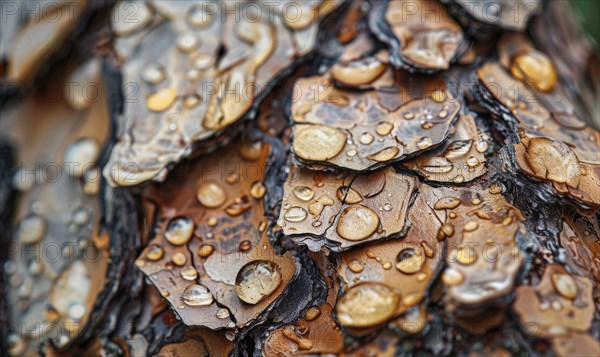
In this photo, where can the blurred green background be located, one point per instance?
(589, 11)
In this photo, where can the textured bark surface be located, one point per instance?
(324, 177)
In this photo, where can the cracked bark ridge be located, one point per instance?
(63, 213)
(341, 210)
(211, 257)
(173, 53)
(346, 129)
(461, 158)
(421, 35)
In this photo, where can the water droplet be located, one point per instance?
(76, 311)
(357, 223)
(481, 146)
(535, 68)
(351, 153)
(466, 255)
(205, 250)
(443, 114)
(316, 224)
(384, 128)
(252, 151)
(473, 161)
(387, 207)
(161, 100)
(355, 266)
(211, 194)
(304, 193)
(191, 101)
(410, 260)
(457, 149)
(459, 179)
(427, 125)
(154, 252)
(212, 222)
(437, 164)
(31, 229)
(295, 214)
(367, 304)
(475, 201)
(153, 73)
(187, 41)
(81, 216)
(348, 195)
(239, 206)
(409, 115)
(199, 16)
(179, 231)
(447, 203)
(439, 96)
(312, 313)
(318, 142)
(257, 280)
(385, 154)
(366, 138)
(16, 345)
(35, 267)
(471, 226)
(189, 273)
(245, 245)
(565, 285)
(424, 143)
(197, 295)
(258, 190)
(81, 155)
(179, 259)
(222, 313)
(452, 277)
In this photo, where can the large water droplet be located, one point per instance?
(187, 41)
(384, 128)
(366, 138)
(31, 229)
(534, 68)
(452, 277)
(304, 193)
(565, 285)
(357, 223)
(211, 194)
(153, 73)
(410, 260)
(318, 142)
(161, 100)
(447, 203)
(179, 231)
(295, 214)
(481, 146)
(466, 255)
(257, 280)
(258, 190)
(154, 252)
(197, 295)
(367, 304)
(189, 273)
